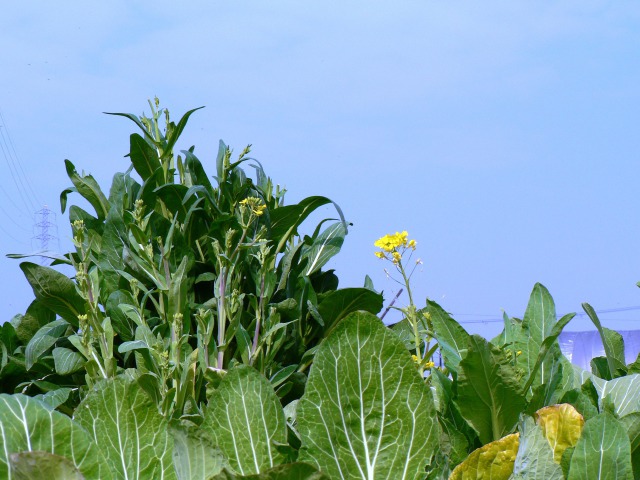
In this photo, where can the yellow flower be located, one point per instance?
(396, 257)
(429, 365)
(388, 243)
(412, 244)
(255, 204)
(380, 254)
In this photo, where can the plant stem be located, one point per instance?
(221, 316)
(256, 335)
(412, 314)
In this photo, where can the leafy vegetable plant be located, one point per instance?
(201, 338)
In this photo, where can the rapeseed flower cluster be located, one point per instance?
(393, 246)
(254, 204)
(421, 363)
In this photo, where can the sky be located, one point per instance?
(503, 136)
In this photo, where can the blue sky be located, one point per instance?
(502, 135)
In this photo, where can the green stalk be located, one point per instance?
(222, 320)
(412, 315)
(259, 314)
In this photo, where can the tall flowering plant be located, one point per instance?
(398, 249)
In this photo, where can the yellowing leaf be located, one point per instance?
(561, 426)
(493, 461)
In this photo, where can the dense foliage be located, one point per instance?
(200, 338)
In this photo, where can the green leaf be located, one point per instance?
(122, 324)
(549, 342)
(603, 451)
(366, 412)
(511, 327)
(179, 287)
(133, 345)
(124, 190)
(451, 337)
(489, 395)
(616, 344)
(623, 393)
(38, 465)
(112, 252)
(246, 421)
(28, 425)
(131, 433)
(55, 291)
(67, 361)
(538, 324)
(289, 471)
(631, 425)
(172, 195)
(87, 186)
(453, 443)
(325, 246)
(560, 381)
(196, 173)
(195, 456)
(337, 304)
(534, 460)
(177, 130)
(611, 349)
(135, 120)
(144, 157)
(55, 398)
(43, 340)
(36, 316)
(494, 461)
(286, 220)
(581, 402)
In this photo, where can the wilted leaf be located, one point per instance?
(41, 465)
(494, 461)
(561, 426)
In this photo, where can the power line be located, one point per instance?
(19, 181)
(16, 181)
(493, 319)
(16, 207)
(17, 157)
